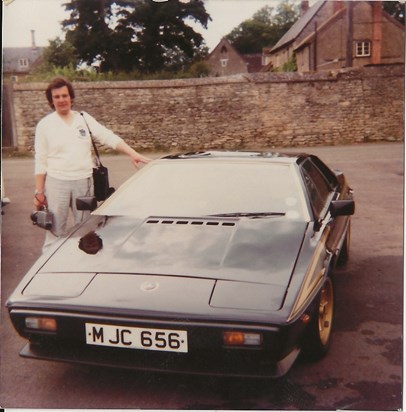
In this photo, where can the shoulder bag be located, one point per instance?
(101, 184)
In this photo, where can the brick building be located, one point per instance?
(225, 60)
(336, 34)
(20, 61)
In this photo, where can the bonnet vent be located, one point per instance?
(188, 221)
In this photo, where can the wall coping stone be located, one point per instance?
(397, 70)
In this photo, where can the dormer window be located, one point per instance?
(362, 48)
(23, 63)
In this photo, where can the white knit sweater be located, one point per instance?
(64, 151)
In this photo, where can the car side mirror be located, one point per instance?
(86, 203)
(342, 208)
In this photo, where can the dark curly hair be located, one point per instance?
(57, 83)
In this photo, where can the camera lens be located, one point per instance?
(34, 217)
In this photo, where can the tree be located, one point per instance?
(59, 54)
(253, 34)
(89, 30)
(287, 13)
(264, 29)
(396, 9)
(140, 34)
(162, 37)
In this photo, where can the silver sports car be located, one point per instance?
(208, 262)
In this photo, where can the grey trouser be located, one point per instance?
(61, 196)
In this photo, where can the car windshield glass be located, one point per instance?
(200, 188)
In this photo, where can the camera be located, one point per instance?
(42, 218)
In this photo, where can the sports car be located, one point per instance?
(214, 262)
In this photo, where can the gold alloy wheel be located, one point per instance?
(326, 309)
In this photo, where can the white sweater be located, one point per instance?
(65, 151)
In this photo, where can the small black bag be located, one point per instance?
(101, 182)
(102, 189)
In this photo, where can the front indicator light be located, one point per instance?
(242, 339)
(305, 319)
(40, 323)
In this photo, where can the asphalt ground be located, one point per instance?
(363, 370)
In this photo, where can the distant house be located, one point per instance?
(335, 34)
(224, 60)
(20, 61)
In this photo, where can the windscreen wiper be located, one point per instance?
(252, 215)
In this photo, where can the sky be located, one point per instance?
(45, 16)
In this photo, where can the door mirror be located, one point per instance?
(342, 208)
(86, 203)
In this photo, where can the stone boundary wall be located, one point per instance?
(252, 111)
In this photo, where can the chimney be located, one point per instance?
(350, 34)
(376, 32)
(33, 45)
(304, 6)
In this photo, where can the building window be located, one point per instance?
(363, 48)
(23, 63)
(224, 56)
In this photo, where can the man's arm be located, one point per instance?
(136, 158)
(39, 195)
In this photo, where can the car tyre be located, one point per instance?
(318, 336)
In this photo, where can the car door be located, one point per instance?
(319, 190)
(322, 187)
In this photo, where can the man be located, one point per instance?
(63, 157)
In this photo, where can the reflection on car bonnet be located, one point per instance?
(90, 243)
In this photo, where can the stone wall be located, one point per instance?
(254, 111)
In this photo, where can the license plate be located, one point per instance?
(136, 338)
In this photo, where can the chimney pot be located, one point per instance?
(304, 6)
(33, 45)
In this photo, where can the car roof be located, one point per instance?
(243, 155)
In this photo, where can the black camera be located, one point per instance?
(42, 218)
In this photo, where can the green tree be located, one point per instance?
(290, 65)
(287, 13)
(162, 35)
(135, 35)
(199, 69)
(265, 27)
(396, 9)
(58, 54)
(253, 34)
(90, 30)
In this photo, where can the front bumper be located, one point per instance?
(232, 365)
(206, 355)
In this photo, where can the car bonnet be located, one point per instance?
(241, 249)
(177, 265)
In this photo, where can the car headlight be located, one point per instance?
(41, 323)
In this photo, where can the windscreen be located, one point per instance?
(201, 188)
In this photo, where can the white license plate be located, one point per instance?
(137, 338)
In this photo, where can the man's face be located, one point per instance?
(61, 100)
